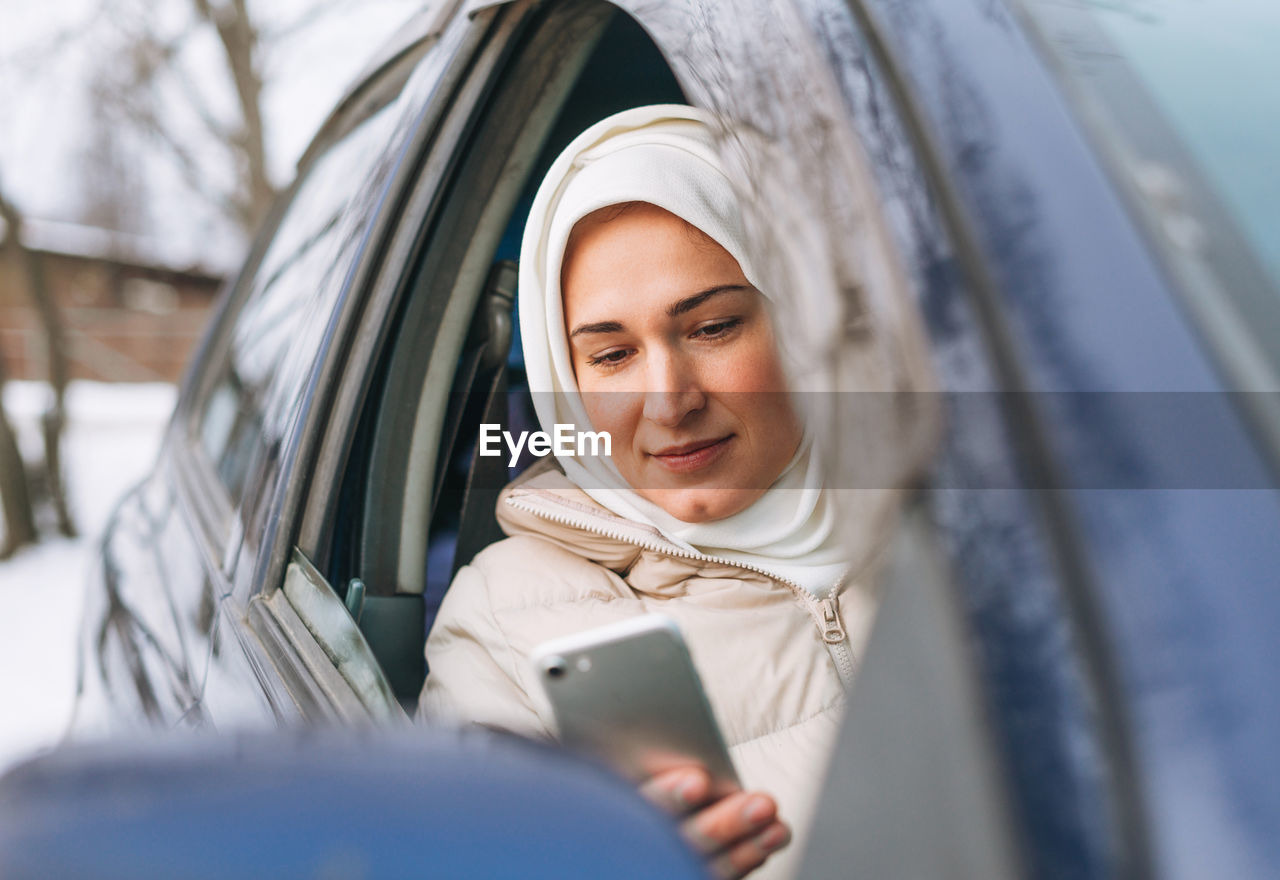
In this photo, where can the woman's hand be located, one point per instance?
(736, 832)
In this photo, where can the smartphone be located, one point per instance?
(629, 694)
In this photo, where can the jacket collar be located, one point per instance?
(545, 503)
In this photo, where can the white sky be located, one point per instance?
(48, 52)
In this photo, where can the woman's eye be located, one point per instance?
(720, 328)
(609, 358)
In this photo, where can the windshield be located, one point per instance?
(1183, 97)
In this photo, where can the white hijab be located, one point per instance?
(664, 155)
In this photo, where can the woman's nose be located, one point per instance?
(672, 391)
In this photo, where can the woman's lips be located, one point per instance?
(692, 456)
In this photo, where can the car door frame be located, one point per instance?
(280, 649)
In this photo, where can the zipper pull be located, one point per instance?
(832, 631)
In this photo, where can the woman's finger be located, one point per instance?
(678, 791)
(729, 820)
(746, 856)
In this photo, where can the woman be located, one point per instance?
(641, 317)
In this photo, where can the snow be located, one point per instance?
(112, 436)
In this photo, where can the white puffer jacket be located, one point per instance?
(775, 660)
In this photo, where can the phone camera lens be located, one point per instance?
(556, 668)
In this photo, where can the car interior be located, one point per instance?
(419, 525)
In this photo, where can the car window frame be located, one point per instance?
(318, 511)
(206, 501)
(293, 642)
(512, 95)
(478, 196)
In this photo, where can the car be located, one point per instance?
(1036, 295)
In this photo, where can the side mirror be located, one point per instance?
(331, 804)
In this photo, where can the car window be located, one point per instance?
(535, 111)
(409, 483)
(288, 303)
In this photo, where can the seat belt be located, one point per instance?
(477, 524)
(484, 359)
(486, 475)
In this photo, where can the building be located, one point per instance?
(132, 312)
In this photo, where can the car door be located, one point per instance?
(1096, 446)
(328, 639)
(204, 519)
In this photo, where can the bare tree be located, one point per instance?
(149, 74)
(241, 46)
(147, 83)
(147, 65)
(19, 521)
(15, 496)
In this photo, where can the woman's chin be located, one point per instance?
(701, 505)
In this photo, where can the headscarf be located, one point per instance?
(664, 155)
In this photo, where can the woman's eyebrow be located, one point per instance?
(679, 307)
(689, 303)
(597, 327)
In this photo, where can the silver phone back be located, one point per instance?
(629, 693)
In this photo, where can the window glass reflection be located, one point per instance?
(291, 299)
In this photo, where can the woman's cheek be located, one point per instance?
(613, 411)
(747, 374)
(750, 365)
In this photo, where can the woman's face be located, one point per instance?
(675, 357)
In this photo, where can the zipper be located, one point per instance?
(836, 636)
(825, 612)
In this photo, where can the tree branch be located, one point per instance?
(142, 115)
(240, 44)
